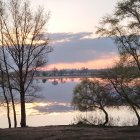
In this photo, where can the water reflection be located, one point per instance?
(54, 108)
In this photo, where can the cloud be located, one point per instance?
(69, 36)
(63, 92)
(65, 37)
(53, 108)
(79, 48)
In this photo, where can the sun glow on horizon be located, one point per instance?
(93, 64)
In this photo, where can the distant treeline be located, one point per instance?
(71, 72)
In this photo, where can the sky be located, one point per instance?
(71, 29)
(75, 15)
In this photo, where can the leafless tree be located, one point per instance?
(127, 85)
(124, 27)
(24, 42)
(5, 95)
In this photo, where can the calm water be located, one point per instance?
(54, 107)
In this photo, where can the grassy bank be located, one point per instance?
(71, 133)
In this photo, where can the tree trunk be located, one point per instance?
(8, 115)
(106, 117)
(10, 89)
(137, 114)
(22, 97)
(13, 104)
(23, 111)
(14, 111)
(8, 108)
(6, 99)
(139, 121)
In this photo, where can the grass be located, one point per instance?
(71, 133)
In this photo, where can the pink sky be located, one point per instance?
(97, 64)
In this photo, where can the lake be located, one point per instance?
(54, 107)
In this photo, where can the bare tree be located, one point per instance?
(5, 95)
(23, 39)
(90, 95)
(124, 27)
(127, 85)
(4, 68)
(6, 75)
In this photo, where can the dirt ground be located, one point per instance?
(71, 133)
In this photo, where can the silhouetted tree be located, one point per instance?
(25, 43)
(5, 95)
(124, 27)
(127, 85)
(90, 95)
